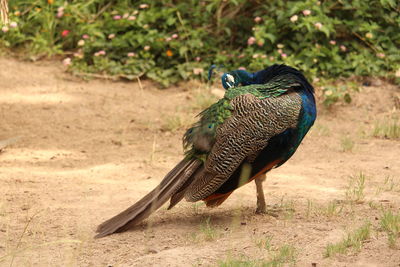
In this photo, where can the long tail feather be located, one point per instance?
(142, 209)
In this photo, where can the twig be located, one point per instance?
(4, 11)
(364, 41)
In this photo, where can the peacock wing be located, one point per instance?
(246, 132)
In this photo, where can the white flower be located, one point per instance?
(318, 25)
(143, 6)
(81, 42)
(294, 18)
(111, 36)
(13, 24)
(67, 61)
(4, 29)
(146, 48)
(131, 17)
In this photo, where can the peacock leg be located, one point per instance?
(261, 206)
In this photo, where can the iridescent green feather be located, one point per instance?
(212, 117)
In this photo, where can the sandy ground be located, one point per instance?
(88, 150)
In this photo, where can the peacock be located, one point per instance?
(255, 127)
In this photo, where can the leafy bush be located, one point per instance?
(171, 40)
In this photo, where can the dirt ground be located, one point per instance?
(88, 150)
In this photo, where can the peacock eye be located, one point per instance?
(210, 126)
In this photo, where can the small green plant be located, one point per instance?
(285, 256)
(332, 209)
(389, 185)
(288, 208)
(390, 223)
(333, 94)
(388, 127)
(238, 262)
(355, 190)
(353, 240)
(265, 243)
(347, 144)
(208, 231)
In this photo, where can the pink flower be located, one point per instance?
(64, 33)
(198, 59)
(251, 40)
(380, 55)
(100, 53)
(280, 51)
(60, 9)
(143, 6)
(66, 61)
(343, 48)
(117, 17)
(294, 18)
(146, 48)
(197, 71)
(255, 56)
(242, 68)
(257, 19)
(131, 54)
(126, 15)
(111, 36)
(332, 42)
(85, 36)
(60, 14)
(260, 43)
(174, 36)
(131, 17)
(168, 39)
(78, 55)
(318, 25)
(306, 12)
(283, 55)
(13, 24)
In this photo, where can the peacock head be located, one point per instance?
(236, 78)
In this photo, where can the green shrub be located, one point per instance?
(172, 40)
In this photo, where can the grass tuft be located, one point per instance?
(390, 223)
(355, 190)
(209, 232)
(353, 240)
(389, 128)
(347, 144)
(284, 256)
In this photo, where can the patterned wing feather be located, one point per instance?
(245, 133)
